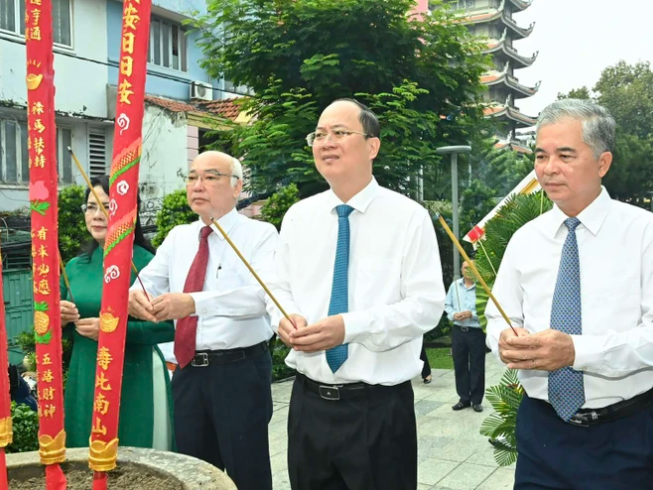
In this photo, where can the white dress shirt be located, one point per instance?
(615, 246)
(231, 307)
(395, 282)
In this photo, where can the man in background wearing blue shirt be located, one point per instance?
(467, 341)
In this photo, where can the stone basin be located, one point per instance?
(176, 471)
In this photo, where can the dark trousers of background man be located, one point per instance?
(468, 351)
(221, 414)
(614, 455)
(364, 442)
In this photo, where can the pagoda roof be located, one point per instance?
(500, 46)
(513, 145)
(521, 5)
(509, 111)
(483, 16)
(520, 91)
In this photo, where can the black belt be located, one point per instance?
(204, 358)
(467, 329)
(587, 417)
(344, 391)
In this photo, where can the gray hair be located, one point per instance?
(236, 171)
(598, 125)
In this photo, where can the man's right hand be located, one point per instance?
(285, 327)
(503, 345)
(69, 312)
(140, 306)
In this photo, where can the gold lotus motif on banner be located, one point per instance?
(103, 455)
(108, 322)
(52, 451)
(6, 432)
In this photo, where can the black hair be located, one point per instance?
(139, 238)
(367, 118)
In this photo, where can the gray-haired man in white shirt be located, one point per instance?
(577, 282)
(359, 271)
(221, 388)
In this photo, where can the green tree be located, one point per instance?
(174, 211)
(72, 226)
(420, 76)
(627, 92)
(276, 206)
(577, 93)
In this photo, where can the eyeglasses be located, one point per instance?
(92, 208)
(335, 135)
(209, 178)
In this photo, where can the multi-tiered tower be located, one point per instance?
(493, 20)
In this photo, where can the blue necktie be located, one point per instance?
(566, 386)
(340, 290)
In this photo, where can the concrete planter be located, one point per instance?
(191, 473)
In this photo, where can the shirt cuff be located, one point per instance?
(357, 323)
(202, 304)
(587, 352)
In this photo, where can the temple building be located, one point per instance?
(494, 21)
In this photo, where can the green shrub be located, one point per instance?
(276, 206)
(72, 227)
(279, 353)
(25, 424)
(174, 211)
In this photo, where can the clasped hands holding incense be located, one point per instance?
(548, 350)
(322, 335)
(168, 306)
(86, 327)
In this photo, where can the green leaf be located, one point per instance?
(39, 206)
(43, 339)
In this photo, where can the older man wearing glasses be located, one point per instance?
(359, 271)
(221, 389)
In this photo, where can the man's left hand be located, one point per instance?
(322, 335)
(548, 350)
(173, 306)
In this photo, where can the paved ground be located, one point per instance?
(452, 453)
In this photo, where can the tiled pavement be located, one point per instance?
(452, 453)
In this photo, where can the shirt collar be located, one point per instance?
(227, 222)
(461, 281)
(592, 217)
(360, 202)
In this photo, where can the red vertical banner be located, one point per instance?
(43, 180)
(118, 244)
(6, 433)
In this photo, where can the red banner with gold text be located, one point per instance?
(43, 183)
(120, 235)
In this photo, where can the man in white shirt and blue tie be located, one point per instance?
(221, 389)
(358, 269)
(577, 283)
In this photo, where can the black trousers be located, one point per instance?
(426, 368)
(554, 455)
(221, 416)
(364, 443)
(468, 350)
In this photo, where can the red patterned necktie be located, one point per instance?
(187, 327)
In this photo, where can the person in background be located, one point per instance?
(426, 368)
(145, 404)
(467, 341)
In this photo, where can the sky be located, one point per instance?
(577, 39)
